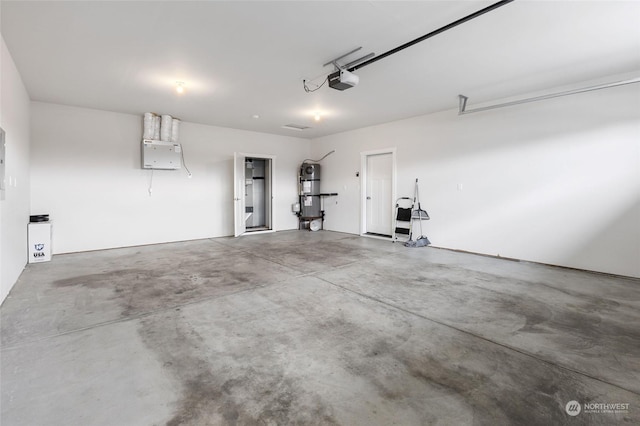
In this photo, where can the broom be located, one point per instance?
(421, 215)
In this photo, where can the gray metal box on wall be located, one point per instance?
(161, 155)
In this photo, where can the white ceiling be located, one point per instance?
(241, 58)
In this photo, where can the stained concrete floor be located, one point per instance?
(315, 328)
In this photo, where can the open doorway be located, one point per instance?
(378, 193)
(253, 193)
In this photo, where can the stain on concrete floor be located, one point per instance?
(370, 335)
(410, 371)
(218, 387)
(576, 330)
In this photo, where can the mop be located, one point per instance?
(419, 215)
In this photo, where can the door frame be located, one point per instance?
(239, 199)
(363, 189)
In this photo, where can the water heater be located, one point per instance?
(310, 191)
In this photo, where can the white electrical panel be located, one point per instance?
(161, 155)
(3, 159)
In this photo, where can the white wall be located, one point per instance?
(86, 173)
(556, 181)
(14, 209)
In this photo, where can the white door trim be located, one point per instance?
(363, 188)
(271, 203)
(238, 194)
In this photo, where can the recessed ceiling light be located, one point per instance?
(317, 116)
(255, 116)
(180, 87)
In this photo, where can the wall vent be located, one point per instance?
(298, 127)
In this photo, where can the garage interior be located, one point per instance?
(252, 277)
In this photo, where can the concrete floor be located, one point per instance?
(315, 328)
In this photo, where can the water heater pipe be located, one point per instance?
(317, 161)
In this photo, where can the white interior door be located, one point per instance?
(379, 203)
(239, 219)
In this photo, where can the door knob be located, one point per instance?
(368, 198)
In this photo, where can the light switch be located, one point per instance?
(459, 187)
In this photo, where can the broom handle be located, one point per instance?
(419, 209)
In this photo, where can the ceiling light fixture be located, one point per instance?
(180, 87)
(317, 116)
